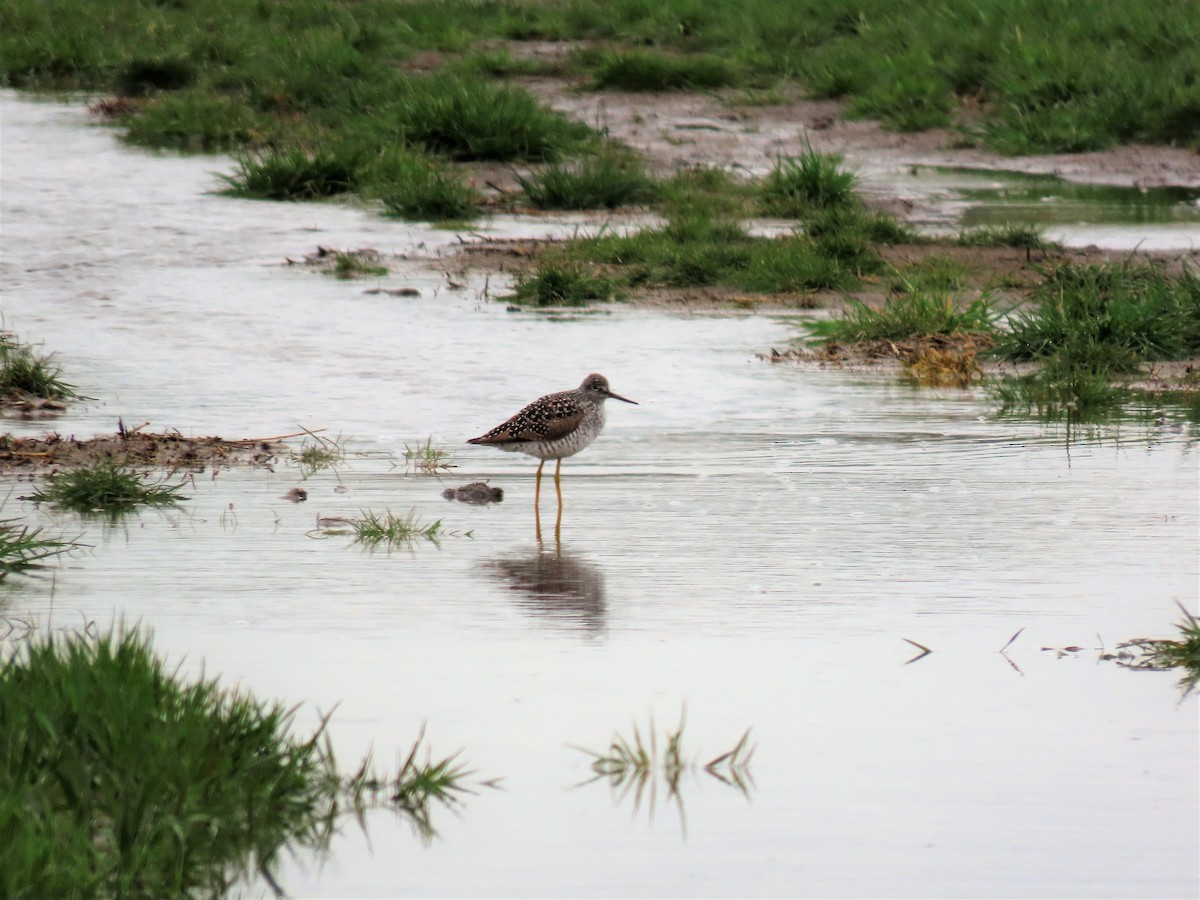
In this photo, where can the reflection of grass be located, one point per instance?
(415, 787)
(119, 778)
(1057, 391)
(23, 548)
(105, 487)
(635, 766)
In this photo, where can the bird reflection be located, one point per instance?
(556, 586)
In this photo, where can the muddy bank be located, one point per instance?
(678, 129)
(53, 452)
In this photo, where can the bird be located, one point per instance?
(554, 427)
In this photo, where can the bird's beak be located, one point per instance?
(619, 397)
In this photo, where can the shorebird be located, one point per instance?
(554, 427)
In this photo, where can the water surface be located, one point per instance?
(753, 541)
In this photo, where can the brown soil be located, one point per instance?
(52, 453)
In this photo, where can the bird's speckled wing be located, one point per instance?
(547, 419)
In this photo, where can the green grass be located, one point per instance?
(639, 70)
(390, 530)
(105, 488)
(1037, 75)
(1023, 237)
(1088, 328)
(933, 273)
(1182, 652)
(119, 777)
(914, 315)
(702, 244)
(796, 186)
(196, 120)
(26, 373)
(23, 549)
(606, 181)
(317, 454)
(417, 187)
(706, 192)
(699, 251)
(356, 264)
(1107, 318)
(469, 119)
(426, 458)
(294, 174)
(563, 284)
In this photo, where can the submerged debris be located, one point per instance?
(296, 495)
(343, 263)
(477, 493)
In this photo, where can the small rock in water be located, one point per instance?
(296, 495)
(477, 493)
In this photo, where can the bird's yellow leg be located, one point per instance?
(558, 491)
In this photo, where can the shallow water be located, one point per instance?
(753, 541)
(1158, 219)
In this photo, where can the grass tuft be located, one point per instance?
(915, 315)
(390, 530)
(796, 186)
(26, 373)
(1182, 652)
(105, 488)
(118, 778)
(293, 174)
(638, 70)
(606, 181)
(469, 119)
(426, 458)
(415, 187)
(1108, 318)
(563, 284)
(318, 454)
(1022, 237)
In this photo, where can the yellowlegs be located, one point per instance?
(554, 427)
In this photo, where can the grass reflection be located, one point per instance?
(636, 768)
